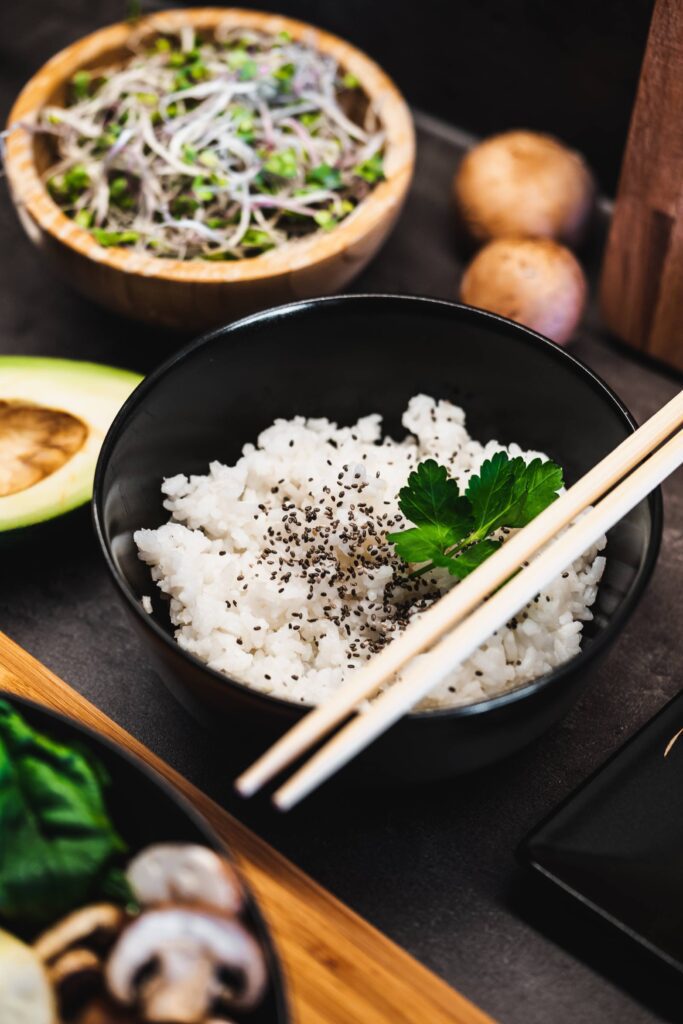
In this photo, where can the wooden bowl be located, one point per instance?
(195, 294)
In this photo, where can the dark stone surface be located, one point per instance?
(433, 868)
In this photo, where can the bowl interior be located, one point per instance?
(347, 357)
(145, 810)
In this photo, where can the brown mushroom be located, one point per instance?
(105, 1011)
(534, 281)
(181, 964)
(72, 952)
(94, 927)
(76, 977)
(185, 873)
(525, 185)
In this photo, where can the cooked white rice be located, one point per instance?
(279, 575)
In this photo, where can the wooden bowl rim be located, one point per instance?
(31, 196)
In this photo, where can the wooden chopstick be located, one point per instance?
(461, 600)
(422, 675)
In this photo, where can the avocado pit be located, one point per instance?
(35, 442)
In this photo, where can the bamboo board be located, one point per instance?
(338, 968)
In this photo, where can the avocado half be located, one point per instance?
(54, 414)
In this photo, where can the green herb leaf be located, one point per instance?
(201, 191)
(257, 239)
(324, 175)
(283, 164)
(182, 206)
(246, 67)
(284, 75)
(431, 497)
(539, 483)
(371, 170)
(109, 238)
(507, 492)
(119, 193)
(453, 531)
(325, 219)
(76, 180)
(81, 84)
(310, 120)
(198, 71)
(237, 59)
(58, 843)
(84, 218)
(219, 256)
(208, 158)
(467, 561)
(423, 543)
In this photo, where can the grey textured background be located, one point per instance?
(433, 868)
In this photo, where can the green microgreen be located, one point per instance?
(283, 164)
(80, 84)
(109, 238)
(324, 175)
(371, 170)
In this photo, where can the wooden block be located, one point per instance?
(338, 968)
(641, 291)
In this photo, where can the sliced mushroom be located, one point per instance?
(185, 873)
(104, 1011)
(72, 951)
(179, 964)
(94, 927)
(76, 977)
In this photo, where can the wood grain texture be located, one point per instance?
(641, 291)
(195, 294)
(338, 968)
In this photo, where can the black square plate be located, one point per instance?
(616, 843)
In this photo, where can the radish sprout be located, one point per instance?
(214, 149)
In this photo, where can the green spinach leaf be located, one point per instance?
(57, 842)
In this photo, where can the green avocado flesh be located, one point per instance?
(54, 414)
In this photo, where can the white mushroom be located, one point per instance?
(177, 964)
(185, 873)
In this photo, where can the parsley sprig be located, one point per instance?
(454, 531)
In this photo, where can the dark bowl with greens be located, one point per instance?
(76, 811)
(342, 358)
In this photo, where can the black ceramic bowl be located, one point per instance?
(343, 358)
(146, 809)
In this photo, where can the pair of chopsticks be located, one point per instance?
(465, 614)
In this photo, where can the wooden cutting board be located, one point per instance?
(338, 968)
